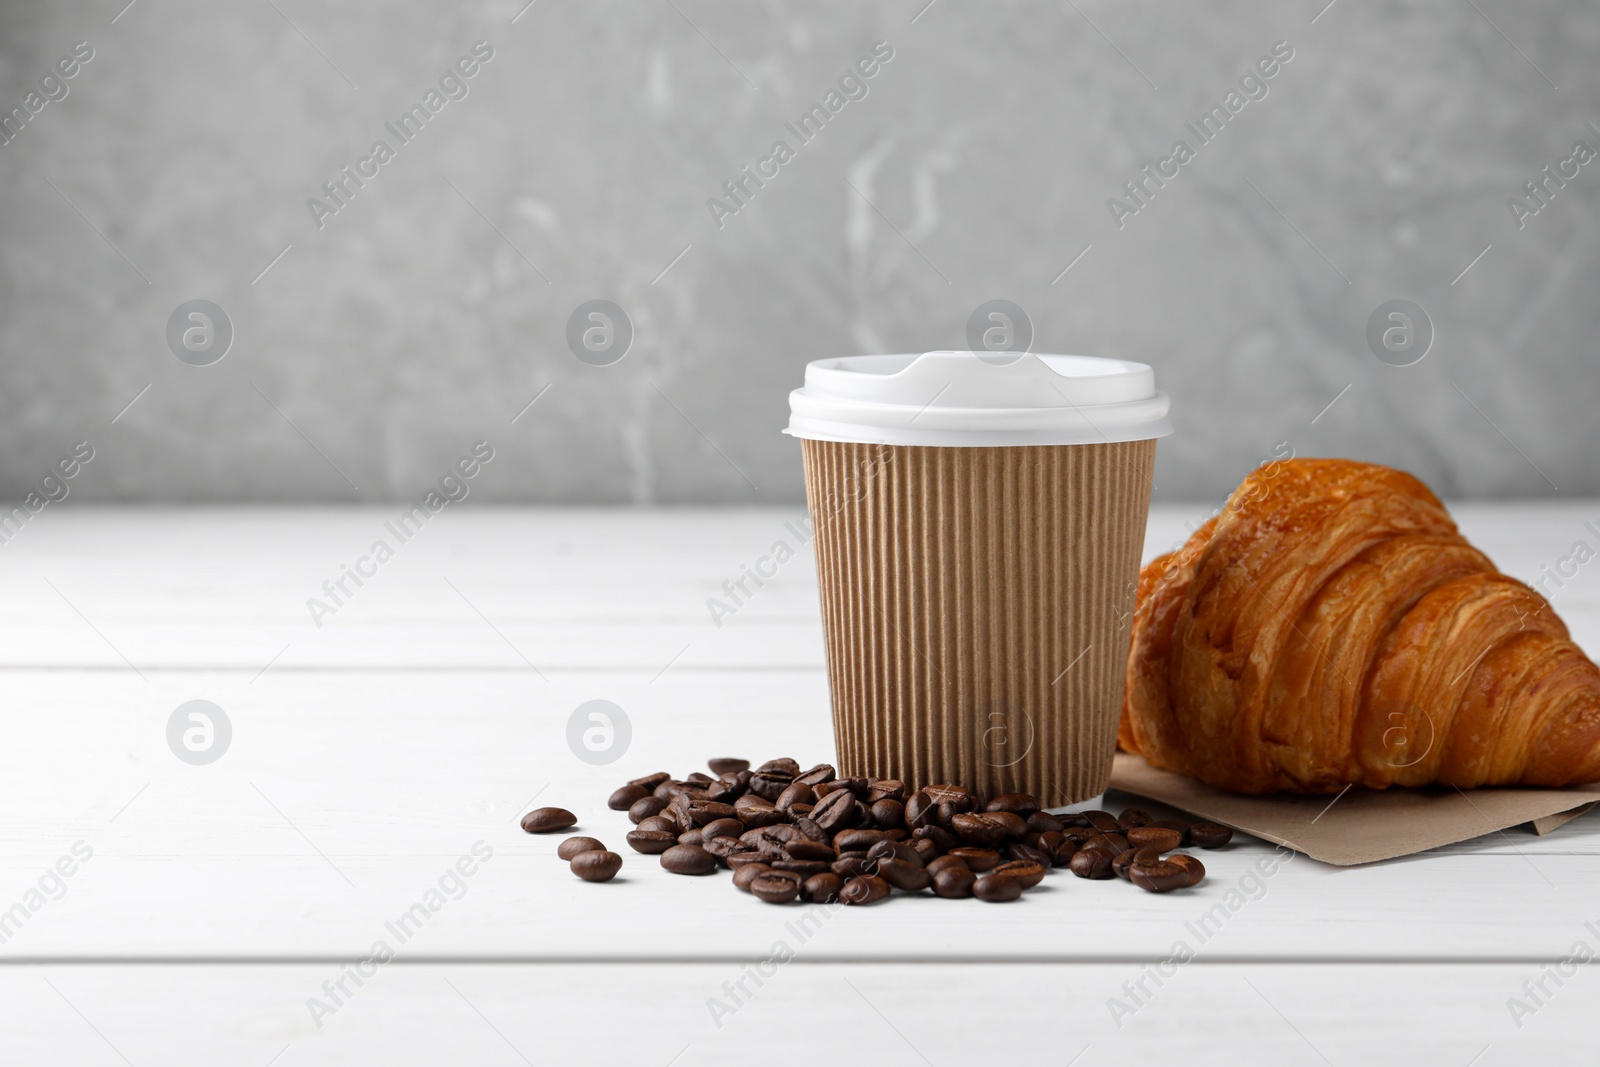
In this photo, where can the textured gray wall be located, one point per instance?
(430, 309)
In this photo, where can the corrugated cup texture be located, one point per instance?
(978, 605)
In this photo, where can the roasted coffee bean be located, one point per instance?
(854, 865)
(1091, 863)
(856, 840)
(769, 786)
(722, 791)
(650, 781)
(1079, 834)
(1112, 843)
(1210, 834)
(811, 831)
(982, 830)
(997, 888)
(1103, 821)
(920, 810)
(885, 789)
(864, 889)
(697, 778)
(1061, 855)
(857, 786)
(888, 813)
(1156, 837)
(776, 887)
(748, 873)
(941, 837)
(548, 820)
(1017, 852)
(822, 772)
(756, 811)
(836, 812)
(804, 868)
(951, 794)
(954, 882)
(822, 789)
(722, 828)
(821, 888)
(657, 822)
(1158, 876)
(723, 847)
(738, 861)
(596, 865)
(1015, 826)
(796, 793)
(1174, 824)
(668, 790)
(946, 811)
(925, 849)
(1132, 817)
(807, 849)
(1027, 872)
(651, 842)
(725, 765)
(894, 850)
(1020, 804)
(774, 836)
(943, 863)
(688, 859)
(896, 833)
(1042, 822)
(704, 811)
(1124, 860)
(1193, 868)
(1073, 820)
(643, 809)
(574, 845)
(977, 860)
(906, 877)
(1045, 842)
(691, 837)
(800, 811)
(626, 797)
(782, 765)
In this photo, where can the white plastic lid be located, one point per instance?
(978, 399)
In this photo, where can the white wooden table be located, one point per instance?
(370, 754)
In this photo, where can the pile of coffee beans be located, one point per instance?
(790, 834)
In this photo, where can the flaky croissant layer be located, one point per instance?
(1330, 626)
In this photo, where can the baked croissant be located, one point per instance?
(1330, 626)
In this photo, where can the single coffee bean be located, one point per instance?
(977, 860)
(951, 794)
(822, 772)
(696, 778)
(954, 882)
(723, 847)
(756, 811)
(688, 859)
(775, 836)
(836, 811)
(1073, 820)
(725, 790)
(769, 786)
(650, 781)
(906, 877)
(671, 788)
(888, 813)
(796, 793)
(651, 842)
(997, 888)
(1016, 852)
(691, 837)
(596, 865)
(645, 807)
(1156, 837)
(885, 789)
(1014, 825)
(1020, 804)
(1103, 821)
(738, 861)
(656, 822)
(1079, 834)
(821, 888)
(864, 889)
(1112, 843)
(1193, 868)
(574, 845)
(854, 865)
(1210, 834)
(1091, 863)
(920, 810)
(776, 887)
(1122, 861)
(1159, 876)
(783, 765)
(856, 840)
(548, 820)
(803, 868)
(1042, 822)
(1174, 824)
(926, 850)
(946, 812)
(626, 797)
(807, 849)
(722, 828)
(941, 837)
(942, 863)
(984, 831)
(747, 874)
(894, 850)
(1045, 842)
(811, 831)
(1132, 817)
(1061, 855)
(725, 765)
(1028, 873)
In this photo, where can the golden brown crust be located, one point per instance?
(1331, 626)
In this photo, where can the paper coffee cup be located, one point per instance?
(979, 519)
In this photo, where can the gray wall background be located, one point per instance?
(430, 310)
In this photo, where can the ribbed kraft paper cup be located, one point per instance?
(977, 599)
